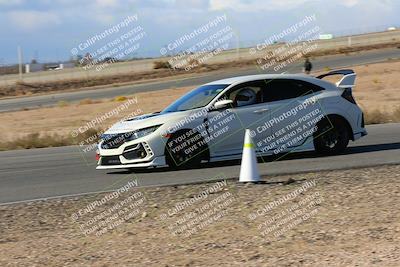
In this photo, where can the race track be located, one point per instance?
(54, 172)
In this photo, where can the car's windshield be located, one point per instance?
(199, 97)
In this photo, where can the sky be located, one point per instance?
(47, 30)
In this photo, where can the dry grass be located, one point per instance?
(37, 140)
(377, 116)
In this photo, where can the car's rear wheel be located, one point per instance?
(183, 150)
(332, 136)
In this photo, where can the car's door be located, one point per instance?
(294, 112)
(247, 112)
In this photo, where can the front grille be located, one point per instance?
(110, 160)
(112, 141)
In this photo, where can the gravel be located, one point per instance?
(336, 218)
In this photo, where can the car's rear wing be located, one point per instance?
(348, 80)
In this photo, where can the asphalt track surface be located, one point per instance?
(332, 62)
(54, 172)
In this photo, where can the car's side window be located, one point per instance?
(281, 89)
(246, 94)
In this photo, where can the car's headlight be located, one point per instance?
(141, 133)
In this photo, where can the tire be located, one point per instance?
(181, 158)
(332, 136)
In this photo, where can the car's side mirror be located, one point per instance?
(223, 104)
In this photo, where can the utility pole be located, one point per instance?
(20, 62)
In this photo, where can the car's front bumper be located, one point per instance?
(140, 153)
(155, 162)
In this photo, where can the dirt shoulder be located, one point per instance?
(336, 218)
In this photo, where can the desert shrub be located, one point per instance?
(35, 140)
(194, 63)
(161, 65)
(62, 103)
(86, 101)
(120, 98)
(396, 115)
(376, 117)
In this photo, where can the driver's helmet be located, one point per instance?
(245, 97)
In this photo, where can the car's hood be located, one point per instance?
(144, 121)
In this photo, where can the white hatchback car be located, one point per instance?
(284, 113)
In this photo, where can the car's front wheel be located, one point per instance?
(331, 137)
(184, 150)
